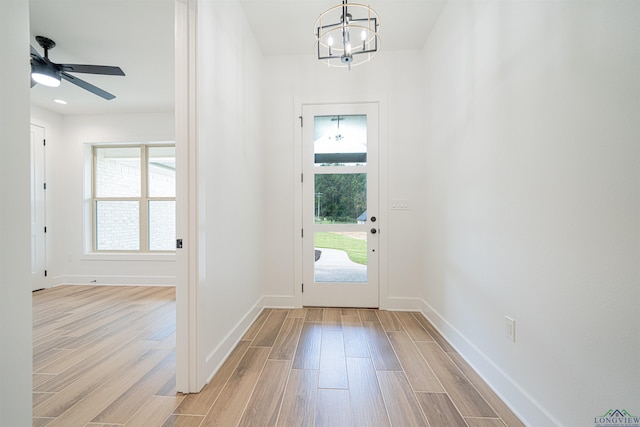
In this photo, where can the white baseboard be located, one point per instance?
(279, 301)
(394, 304)
(218, 355)
(401, 304)
(515, 397)
(113, 280)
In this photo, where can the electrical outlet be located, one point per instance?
(510, 328)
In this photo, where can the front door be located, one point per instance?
(340, 205)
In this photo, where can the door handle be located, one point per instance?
(374, 231)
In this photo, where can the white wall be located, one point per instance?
(394, 78)
(230, 161)
(69, 260)
(15, 256)
(531, 200)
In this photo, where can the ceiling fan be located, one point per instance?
(48, 73)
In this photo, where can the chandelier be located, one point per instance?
(347, 35)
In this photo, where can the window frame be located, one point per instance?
(143, 200)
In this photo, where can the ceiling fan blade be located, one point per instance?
(35, 53)
(91, 69)
(87, 86)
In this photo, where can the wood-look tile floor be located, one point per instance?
(105, 356)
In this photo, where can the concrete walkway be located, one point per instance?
(335, 266)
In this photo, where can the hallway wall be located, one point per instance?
(394, 79)
(230, 158)
(532, 202)
(15, 256)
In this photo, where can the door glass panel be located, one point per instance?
(118, 172)
(340, 140)
(340, 198)
(162, 172)
(340, 257)
(117, 225)
(162, 225)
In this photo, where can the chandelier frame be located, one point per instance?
(345, 54)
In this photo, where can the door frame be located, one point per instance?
(39, 160)
(187, 369)
(341, 293)
(383, 258)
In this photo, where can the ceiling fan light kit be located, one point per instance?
(48, 73)
(44, 75)
(347, 35)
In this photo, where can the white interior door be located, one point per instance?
(38, 224)
(340, 205)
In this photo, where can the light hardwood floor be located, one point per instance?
(105, 356)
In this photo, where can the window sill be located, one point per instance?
(113, 256)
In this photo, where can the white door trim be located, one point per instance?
(187, 379)
(382, 191)
(38, 207)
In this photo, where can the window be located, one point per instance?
(134, 198)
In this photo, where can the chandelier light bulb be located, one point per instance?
(330, 41)
(363, 35)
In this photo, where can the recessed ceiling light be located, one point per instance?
(60, 101)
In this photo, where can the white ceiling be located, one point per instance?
(137, 35)
(286, 26)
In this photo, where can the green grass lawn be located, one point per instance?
(355, 248)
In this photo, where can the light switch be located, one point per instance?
(400, 205)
